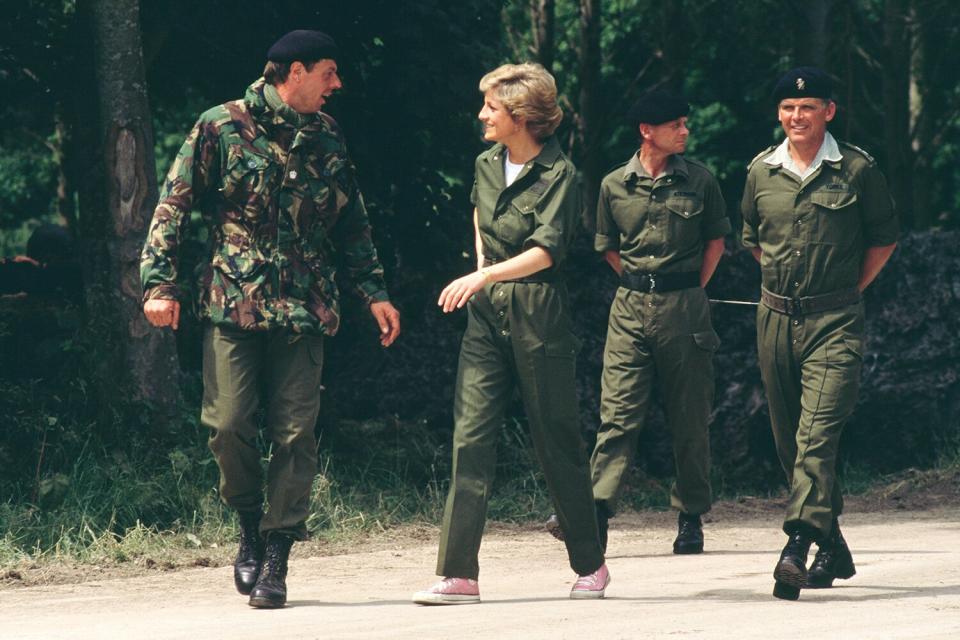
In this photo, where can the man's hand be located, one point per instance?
(456, 294)
(162, 313)
(388, 318)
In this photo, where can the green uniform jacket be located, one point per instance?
(660, 225)
(813, 234)
(542, 210)
(279, 197)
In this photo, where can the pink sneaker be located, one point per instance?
(592, 585)
(450, 591)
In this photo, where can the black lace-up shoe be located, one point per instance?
(246, 566)
(689, 535)
(270, 592)
(833, 560)
(791, 570)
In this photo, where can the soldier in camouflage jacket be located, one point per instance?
(276, 189)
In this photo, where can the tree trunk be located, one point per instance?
(813, 34)
(588, 125)
(543, 19)
(896, 93)
(117, 198)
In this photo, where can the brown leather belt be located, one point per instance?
(659, 282)
(809, 304)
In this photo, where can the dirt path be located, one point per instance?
(908, 586)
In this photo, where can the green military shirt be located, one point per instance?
(541, 208)
(660, 225)
(278, 194)
(813, 233)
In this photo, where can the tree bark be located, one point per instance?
(896, 92)
(813, 33)
(117, 198)
(543, 21)
(588, 123)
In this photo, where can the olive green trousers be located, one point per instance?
(283, 369)
(518, 336)
(664, 341)
(810, 367)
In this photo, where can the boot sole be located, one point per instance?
(687, 550)
(790, 579)
(263, 603)
(827, 582)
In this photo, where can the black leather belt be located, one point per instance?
(809, 304)
(546, 275)
(660, 282)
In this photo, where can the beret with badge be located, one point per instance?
(803, 82)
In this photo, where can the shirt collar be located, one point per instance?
(547, 156)
(675, 164)
(829, 152)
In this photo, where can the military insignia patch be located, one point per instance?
(801, 84)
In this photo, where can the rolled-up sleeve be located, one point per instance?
(557, 215)
(607, 237)
(748, 210)
(716, 223)
(881, 225)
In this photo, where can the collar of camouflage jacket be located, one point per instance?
(266, 105)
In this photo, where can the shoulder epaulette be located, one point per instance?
(857, 149)
(760, 155)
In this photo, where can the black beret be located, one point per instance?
(303, 45)
(804, 82)
(657, 107)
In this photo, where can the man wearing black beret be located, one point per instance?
(661, 220)
(271, 175)
(819, 219)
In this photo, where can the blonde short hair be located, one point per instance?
(527, 91)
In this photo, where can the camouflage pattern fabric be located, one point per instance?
(278, 194)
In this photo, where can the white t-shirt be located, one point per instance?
(511, 170)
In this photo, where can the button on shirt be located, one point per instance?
(813, 232)
(660, 224)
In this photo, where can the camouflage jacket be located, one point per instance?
(277, 192)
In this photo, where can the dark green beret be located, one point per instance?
(303, 45)
(804, 82)
(656, 107)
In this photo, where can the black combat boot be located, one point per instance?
(791, 571)
(833, 560)
(689, 534)
(270, 592)
(246, 567)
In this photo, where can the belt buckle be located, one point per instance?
(794, 307)
(653, 282)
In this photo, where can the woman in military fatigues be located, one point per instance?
(519, 332)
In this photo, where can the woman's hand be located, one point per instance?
(456, 294)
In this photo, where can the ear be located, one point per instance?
(831, 110)
(644, 130)
(297, 69)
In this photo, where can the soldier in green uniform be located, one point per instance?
(660, 225)
(272, 179)
(519, 333)
(818, 217)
